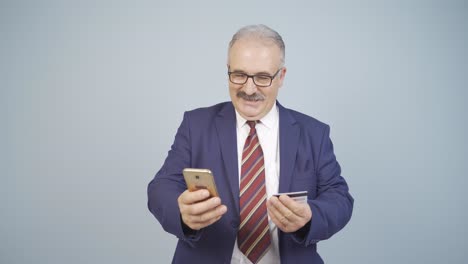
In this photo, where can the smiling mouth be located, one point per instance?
(253, 100)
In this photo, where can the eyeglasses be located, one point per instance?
(260, 80)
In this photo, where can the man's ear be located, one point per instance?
(282, 74)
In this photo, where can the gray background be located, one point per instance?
(92, 93)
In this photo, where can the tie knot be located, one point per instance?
(252, 124)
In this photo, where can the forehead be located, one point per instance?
(254, 55)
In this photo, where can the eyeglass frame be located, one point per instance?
(272, 77)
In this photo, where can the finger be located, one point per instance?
(188, 197)
(197, 222)
(198, 226)
(272, 204)
(284, 212)
(202, 207)
(301, 212)
(208, 216)
(274, 214)
(277, 218)
(276, 210)
(286, 219)
(295, 207)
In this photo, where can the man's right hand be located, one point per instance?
(197, 211)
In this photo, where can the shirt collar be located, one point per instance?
(269, 120)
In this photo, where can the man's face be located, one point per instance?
(252, 57)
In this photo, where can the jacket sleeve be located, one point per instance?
(169, 183)
(333, 206)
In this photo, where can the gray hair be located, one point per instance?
(261, 32)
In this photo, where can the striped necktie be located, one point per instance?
(253, 237)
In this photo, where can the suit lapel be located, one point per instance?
(289, 141)
(226, 129)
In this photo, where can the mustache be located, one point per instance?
(252, 97)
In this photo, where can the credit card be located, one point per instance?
(300, 197)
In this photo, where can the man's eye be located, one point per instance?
(238, 75)
(262, 78)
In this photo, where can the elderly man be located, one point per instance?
(255, 148)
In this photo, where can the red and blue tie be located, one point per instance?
(253, 237)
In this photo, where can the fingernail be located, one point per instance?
(223, 209)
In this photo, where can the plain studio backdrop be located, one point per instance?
(92, 93)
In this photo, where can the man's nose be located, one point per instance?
(250, 87)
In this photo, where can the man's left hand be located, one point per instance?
(287, 214)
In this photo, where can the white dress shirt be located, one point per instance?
(267, 132)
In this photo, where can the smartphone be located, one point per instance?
(197, 179)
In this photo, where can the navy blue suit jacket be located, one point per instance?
(207, 139)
